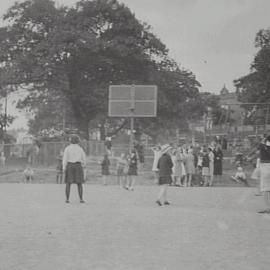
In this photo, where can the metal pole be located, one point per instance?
(132, 108)
(131, 143)
(6, 113)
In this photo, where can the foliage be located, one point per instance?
(76, 53)
(255, 86)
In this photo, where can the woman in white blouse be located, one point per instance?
(74, 159)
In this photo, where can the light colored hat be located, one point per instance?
(165, 148)
(239, 169)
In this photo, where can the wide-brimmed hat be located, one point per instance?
(165, 148)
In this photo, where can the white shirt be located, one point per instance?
(73, 153)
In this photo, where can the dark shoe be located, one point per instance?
(159, 203)
(166, 203)
(82, 201)
(67, 201)
(264, 211)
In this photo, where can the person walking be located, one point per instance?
(165, 165)
(74, 159)
(264, 149)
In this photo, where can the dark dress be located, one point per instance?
(164, 166)
(218, 156)
(105, 167)
(132, 168)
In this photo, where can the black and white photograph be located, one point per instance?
(134, 134)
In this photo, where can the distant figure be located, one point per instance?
(132, 170)
(28, 174)
(218, 160)
(240, 176)
(190, 166)
(140, 151)
(105, 165)
(205, 167)
(3, 159)
(108, 145)
(121, 169)
(264, 149)
(59, 168)
(165, 165)
(157, 154)
(74, 160)
(224, 143)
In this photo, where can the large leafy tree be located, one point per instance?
(74, 54)
(255, 86)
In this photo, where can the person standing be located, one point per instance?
(121, 169)
(211, 166)
(105, 169)
(157, 153)
(218, 158)
(132, 170)
(190, 166)
(74, 159)
(264, 149)
(165, 165)
(205, 167)
(59, 168)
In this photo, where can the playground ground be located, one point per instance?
(204, 228)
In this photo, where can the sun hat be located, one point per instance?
(165, 148)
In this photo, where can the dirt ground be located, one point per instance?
(204, 228)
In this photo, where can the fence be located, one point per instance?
(46, 154)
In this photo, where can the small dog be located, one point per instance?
(28, 174)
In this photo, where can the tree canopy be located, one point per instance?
(70, 56)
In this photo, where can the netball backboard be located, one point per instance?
(132, 101)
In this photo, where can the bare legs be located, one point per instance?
(130, 182)
(162, 196)
(80, 192)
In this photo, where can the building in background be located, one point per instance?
(232, 107)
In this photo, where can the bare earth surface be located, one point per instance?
(204, 228)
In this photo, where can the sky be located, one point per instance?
(212, 38)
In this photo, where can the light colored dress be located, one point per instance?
(211, 163)
(190, 167)
(157, 155)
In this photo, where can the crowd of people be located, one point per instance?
(177, 165)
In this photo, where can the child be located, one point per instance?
(240, 176)
(28, 175)
(121, 169)
(59, 168)
(132, 170)
(205, 167)
(105, 164)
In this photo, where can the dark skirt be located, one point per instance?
(105, 170)
(165, 180)
(74, 173)
(132, 170)
(217, 167)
